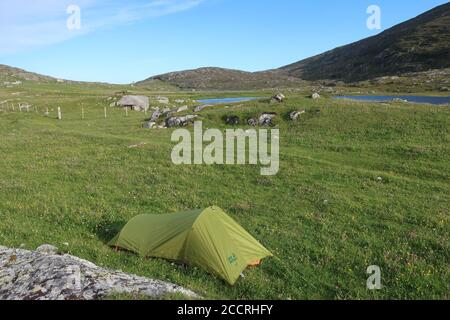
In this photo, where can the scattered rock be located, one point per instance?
(149, 124)
(182, 109)
(179, 121)
(136, 103)
(47, 249)
(180, 101)
(202, 107)
(232, 120)
(266, 119)
(155, 116)
(28, 275)
(113, 104)
(315, 96)
(443, 89)
(162, 100)
(296, 114)
(252, 122)
(166, 111)
(278, 97)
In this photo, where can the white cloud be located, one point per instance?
(25, 23)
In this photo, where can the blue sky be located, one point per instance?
(125, 41)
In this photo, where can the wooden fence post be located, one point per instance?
(105, 112)
(59, 113)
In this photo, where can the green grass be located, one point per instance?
(326, 216)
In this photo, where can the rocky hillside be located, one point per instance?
(416, 45)
(225, 79)
(11, 74)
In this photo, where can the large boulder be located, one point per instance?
(28, 275)
(266, 119)
(155, 116)
(279, 97)
(315, 96)
(294, 115)
(149, 124)
(179, 121)
(137, 103)
(182, 109)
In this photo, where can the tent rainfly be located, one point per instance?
(206, 238)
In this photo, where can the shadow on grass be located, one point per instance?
(107, 229)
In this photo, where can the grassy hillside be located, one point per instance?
(419, 44)
(326, 216)
(225, 79)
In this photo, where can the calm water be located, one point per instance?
(414, 99)
(226, 100)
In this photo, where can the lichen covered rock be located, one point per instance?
(49, 276)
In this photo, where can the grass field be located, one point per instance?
(326, 216)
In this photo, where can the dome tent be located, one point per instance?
(206, 238)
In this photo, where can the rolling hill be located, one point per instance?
(417, 45)
(420, 44)
(9, 74)
(225, 79)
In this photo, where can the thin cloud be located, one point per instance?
(25, 24)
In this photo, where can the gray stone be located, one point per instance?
(28, 275)
(252, 122)
(278, 97)
(47, 249)
(296, 114)
(202, 107)
(182, 109)
(149, 124)
(166, 111)
(155, 116)
(266, 119)
(315, 96)
(137, 103)
(179, 121)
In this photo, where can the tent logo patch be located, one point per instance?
(232, 259)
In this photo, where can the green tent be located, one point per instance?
(206, 238)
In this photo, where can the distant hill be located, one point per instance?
(225, 79)
(416, 45)
(11, 74)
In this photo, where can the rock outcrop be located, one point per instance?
(137, 103)
(315, 96)
(294, 115)
(266, 119)
(278, 97)
(45, 275)
(179, 121)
